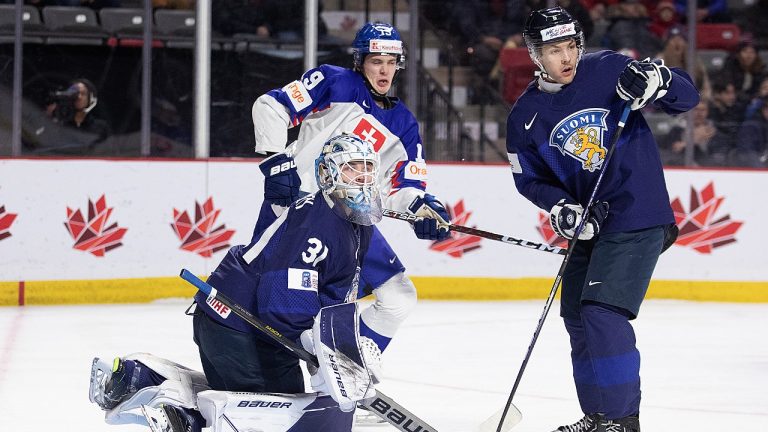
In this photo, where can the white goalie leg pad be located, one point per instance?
(270, 412)
(342, 366)
(395, 299)
(179, 389)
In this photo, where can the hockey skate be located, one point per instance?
(589, 423)
(167, 418)
(110, 383)
(625, 424)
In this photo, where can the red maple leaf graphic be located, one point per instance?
(458, 243)
(6, 220)
(199, 236)
(699, 228)
(548, 234)
(92, 234)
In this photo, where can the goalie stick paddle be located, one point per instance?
(502, 424)
(480, 233)
(381, 404)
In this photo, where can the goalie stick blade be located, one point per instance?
(491, 424)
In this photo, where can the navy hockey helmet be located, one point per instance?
(347, 172)
(552, 25)
(378, 38)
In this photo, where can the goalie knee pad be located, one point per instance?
(272, 412)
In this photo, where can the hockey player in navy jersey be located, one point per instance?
(557, 137)
(329, 100)
(305, 264)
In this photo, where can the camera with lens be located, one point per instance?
(65, 103)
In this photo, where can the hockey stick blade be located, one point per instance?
(381, 404)
(491, 424)
(484, 234)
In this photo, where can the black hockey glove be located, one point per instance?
(281, 180)
(434, 224)
(643, 82)
(565, 218)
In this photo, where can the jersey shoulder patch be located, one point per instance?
(298, 95)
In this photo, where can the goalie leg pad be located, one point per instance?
(272, 412)
(336, 342)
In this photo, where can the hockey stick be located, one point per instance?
(381, 404)
(484, 234)
(502, 427)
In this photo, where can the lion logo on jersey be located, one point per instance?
(580, 136)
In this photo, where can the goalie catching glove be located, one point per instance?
(565, 218)
(643, 82)
(281, 180)
(434, 223)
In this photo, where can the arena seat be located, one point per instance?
(73, 25)
(717, 36)
(518, 72)
(32, 24)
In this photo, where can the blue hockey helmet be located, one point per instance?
(347, 173)
(552, 25)
(378, 38)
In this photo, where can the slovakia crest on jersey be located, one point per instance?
(581, 136)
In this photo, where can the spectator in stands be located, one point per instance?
(663, 19)
(79, 129)
(711, 147)
(754, 19)
(708, 11)
(725, 110)
(674, 54)
(752, 145)
(757, 101)
(485, 26)
(629, 29)
(745, 70)
(229, 17)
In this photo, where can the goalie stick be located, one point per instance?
(484, 234)
(503, 425)
(381, 404)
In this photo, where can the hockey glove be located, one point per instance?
(281, 180)
(434, 224)
(565, 218)
(643, 82)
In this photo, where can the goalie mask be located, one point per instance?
(347, 173)
(548, 26)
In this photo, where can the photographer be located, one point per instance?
(75, 128)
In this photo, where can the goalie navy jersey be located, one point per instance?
(557, 142)
(329, 100)
(307, 259)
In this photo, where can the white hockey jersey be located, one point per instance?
(329, 100)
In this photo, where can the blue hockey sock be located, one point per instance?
(610, 341)
(583, 372)
(380, 340)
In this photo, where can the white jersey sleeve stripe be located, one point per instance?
(254, 251)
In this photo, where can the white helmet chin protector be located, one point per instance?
(347, 173)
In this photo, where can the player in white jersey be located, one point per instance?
(329, 100)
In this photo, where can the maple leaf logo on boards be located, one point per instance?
(199, 236)
(700, 228)
(458, 243)
(92, 234)
(6, 220)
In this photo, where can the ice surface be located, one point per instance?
(704, 365)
